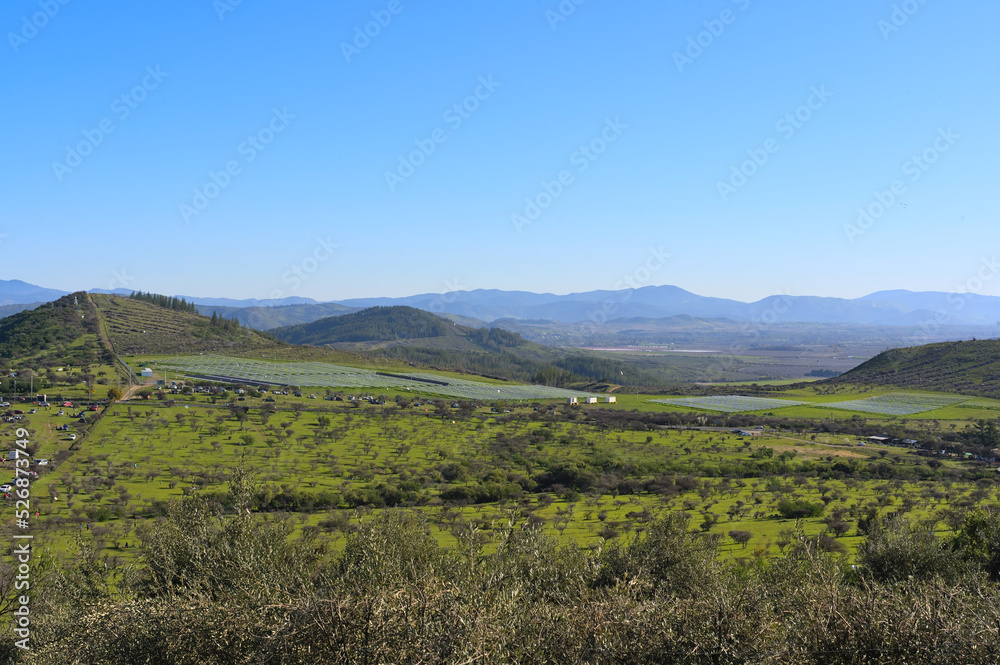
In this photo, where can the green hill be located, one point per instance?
(971, 367)
(64, 331)
(376, 324)
(415, 336)
(82, 328)
(135, 326)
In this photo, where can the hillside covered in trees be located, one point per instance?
(62, 331)
(167, 302)
(158, 324)
(971, 367)
(416, 336)
(376, 324)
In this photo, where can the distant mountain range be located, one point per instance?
(904, 308)
(930, 309)
(16, 292)
(268, 317)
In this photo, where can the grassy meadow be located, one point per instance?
(588, 474)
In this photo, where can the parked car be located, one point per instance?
(72, 437)
(42, 462)
(6, 488)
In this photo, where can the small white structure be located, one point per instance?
(146, 372)
(591, 400)
(610, 399)
(571, 400)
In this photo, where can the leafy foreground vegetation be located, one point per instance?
(225, 588)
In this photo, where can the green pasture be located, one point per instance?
(144, 453)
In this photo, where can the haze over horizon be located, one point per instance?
(247, 150)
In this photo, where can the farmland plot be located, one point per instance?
(729, 403)
(325, 375)
(896, 404)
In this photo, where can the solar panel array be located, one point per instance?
(896, 404)
(323, 375)
(729, 403)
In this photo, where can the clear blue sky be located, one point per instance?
(313, 121)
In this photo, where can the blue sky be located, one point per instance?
(262, 149)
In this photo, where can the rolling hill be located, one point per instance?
(83, 328)
(383, 328)
(416, 336)
(134, 326)
(971, 367)
(64, 331)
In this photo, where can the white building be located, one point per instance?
(610, 399)
(591, 400)
(146, 372)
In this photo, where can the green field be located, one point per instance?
(386, 475)
(584, 472)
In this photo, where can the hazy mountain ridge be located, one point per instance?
(16, 292)
(275, 316)
(931, 309)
